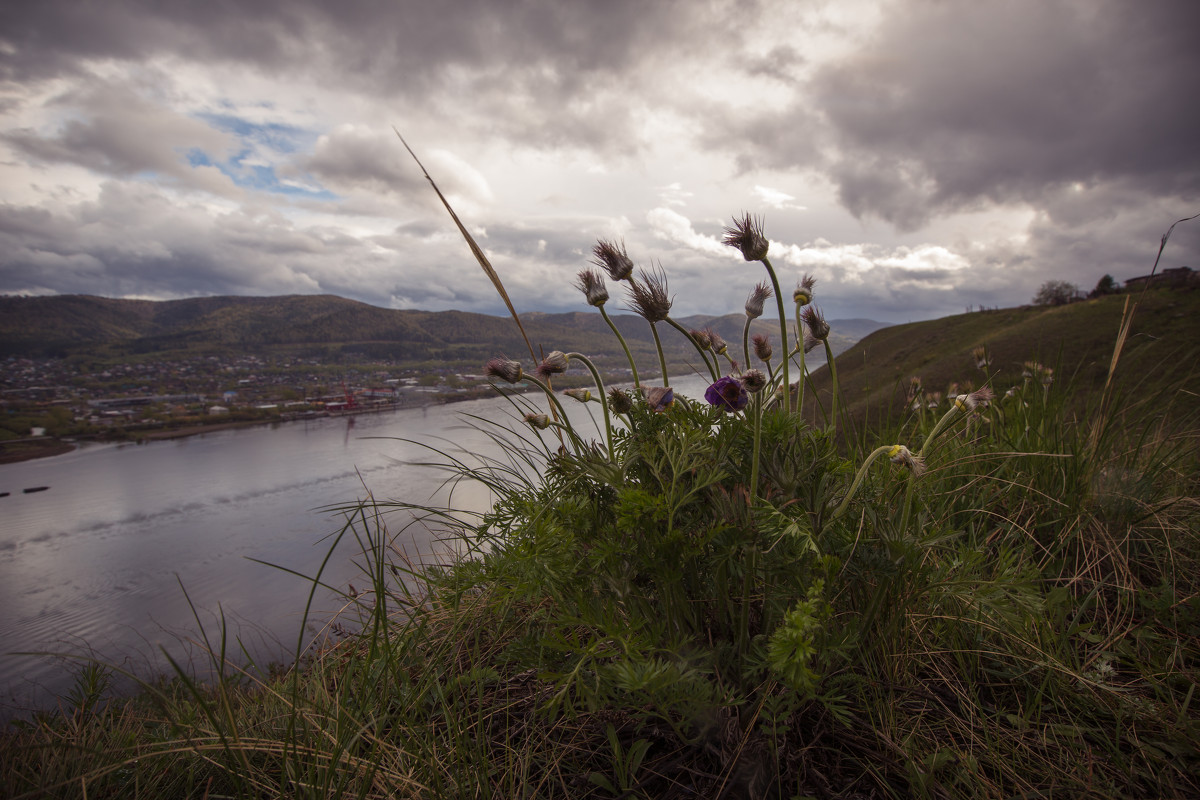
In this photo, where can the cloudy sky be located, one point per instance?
(917, 156)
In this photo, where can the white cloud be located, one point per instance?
(776, 199)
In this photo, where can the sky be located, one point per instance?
(918, 157)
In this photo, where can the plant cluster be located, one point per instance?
(716, 598)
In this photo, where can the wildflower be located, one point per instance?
(804, 290)
(648, 297)
(762, 347)
(552, 364)
(591, 283)
(504, 369)
(899, 454)
(612, 258)
(660, 398)
(582, 395)
(719, 345)
(539, 421)
(969, 402)
(815, 320)
(935, 399)
(703, 338)
(914, 388)
(620, 401)
(754, 303)
(747, 236)
(982, 360)
(727, 393)
(1012, 392)
(754, 380)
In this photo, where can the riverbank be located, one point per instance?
(17, 450)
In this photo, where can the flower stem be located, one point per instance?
(783, 337)
(833, 377)
(603, 397)
(624, 346)
(662, 361)
(858, 479)
(712, 370)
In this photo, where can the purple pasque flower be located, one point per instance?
(660, 398)
(727, 393)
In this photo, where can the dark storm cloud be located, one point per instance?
(954, 106)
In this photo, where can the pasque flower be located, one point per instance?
(503, 368)
(727, 393)
(553, 364)
(612, 258)
(758, 296)
(762, 347)
(804, 291)
(591, 283)
(648, 297)
(660, 398)
(746, 235)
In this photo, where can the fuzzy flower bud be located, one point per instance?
(539, 421)
(591, 283)
(972, 401)
(754, 381)
(899, 454)
(553, 364)
(914, 388)
(758, 296)
(719, 345)
(660, 398)
(804, 291)
(703, 339)
(747, 235)
(620, 401)
(814, 320)
(982, 359)
(505, 369)
(648, 297)
(582, 395)
(612, 258)
(762, 347)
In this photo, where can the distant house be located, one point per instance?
(1175, 276)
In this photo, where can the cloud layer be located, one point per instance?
(917, 157)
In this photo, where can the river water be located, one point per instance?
(134, 550)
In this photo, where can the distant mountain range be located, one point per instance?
(334, 327)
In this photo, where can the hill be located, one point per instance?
(1075, 340)
(322, 325)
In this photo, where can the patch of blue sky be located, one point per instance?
(247, 169)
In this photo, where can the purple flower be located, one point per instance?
(728, 393)
(660, 398)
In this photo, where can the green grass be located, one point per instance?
(746, 604)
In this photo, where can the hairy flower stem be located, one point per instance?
(746, 343)
(783, 337)
(758, 415)
(833, 377)
(858, 479)
(624, 346)
(603, 398)
(662, 361)
(800, 350)
(712, 369)
(908, 490)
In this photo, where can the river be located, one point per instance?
(133, 550)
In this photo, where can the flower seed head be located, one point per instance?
(972, 401)
(620, 401)
(648, 297)
(914, 388)
(582, 395)
(815, 321)
(539, 421)
(612, 258)
(804, 290)
(754, 380)
(505, 369)
(660, 398)
(762, 347)
(553, 364)
(702, 338)
(591, 283)
(758, 296)
(747, 235)
(982, 360)
(899, 454)
(719, 345)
